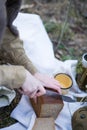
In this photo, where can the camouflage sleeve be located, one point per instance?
(12, 76)
(12, 52)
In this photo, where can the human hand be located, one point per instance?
(48, 82)
(32, 87)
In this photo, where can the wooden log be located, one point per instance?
(44, 124)
(48, 105)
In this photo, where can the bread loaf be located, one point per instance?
(44, 124)
(48, 105)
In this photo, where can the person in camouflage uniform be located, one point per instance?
(21, 74)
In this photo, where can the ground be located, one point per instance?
(73, 43)
(54, 15)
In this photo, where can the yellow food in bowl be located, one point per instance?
(64, 79)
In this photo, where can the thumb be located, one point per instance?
(41, 91)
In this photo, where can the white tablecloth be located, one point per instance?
(39, 49)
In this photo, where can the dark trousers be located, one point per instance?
(8, 12)
(2, 18)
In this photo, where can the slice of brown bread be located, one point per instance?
(44, 124)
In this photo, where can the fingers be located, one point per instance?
(41, 91)
(34, 87)
(54, 84)
(58, 89)
(55, 88)
(49, 82)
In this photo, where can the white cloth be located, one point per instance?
(63, 122)
(6, 96)
(39, 49)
